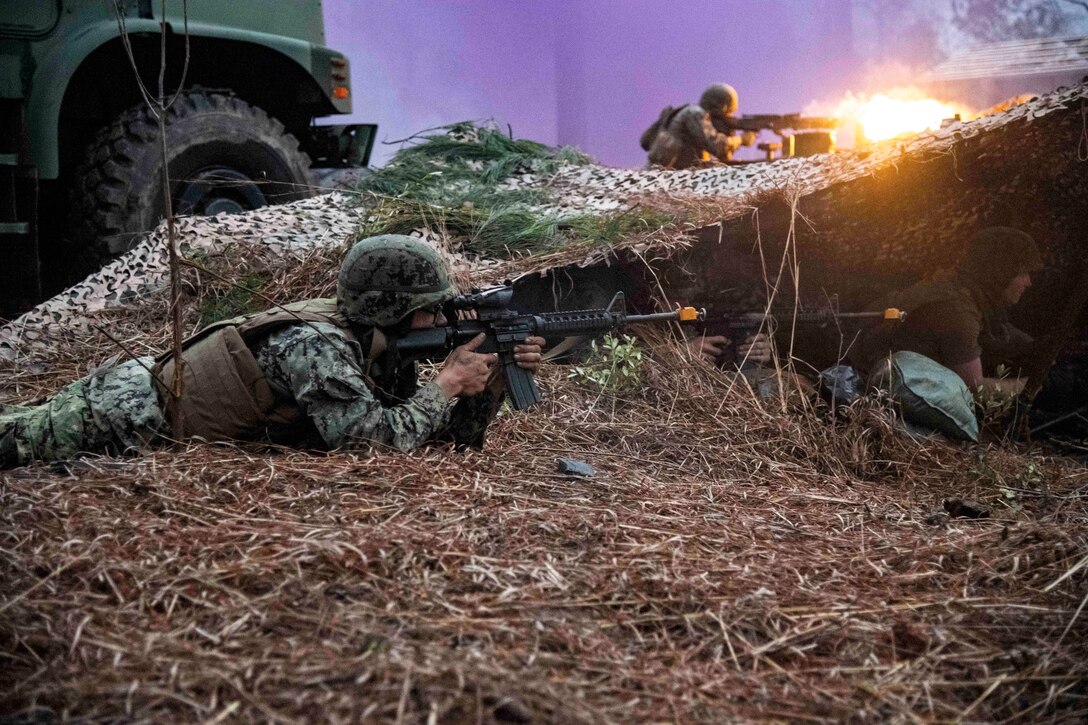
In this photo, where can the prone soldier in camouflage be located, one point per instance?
(311, 373)
(689, 135)
(960, 318)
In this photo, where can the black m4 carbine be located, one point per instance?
(488, 311)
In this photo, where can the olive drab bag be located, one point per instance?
(928, 394)
(646, 140)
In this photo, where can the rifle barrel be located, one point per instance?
(684, 314)
(788, 120)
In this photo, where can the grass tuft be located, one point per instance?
(243, 299)
(465, 163)
(505, 230)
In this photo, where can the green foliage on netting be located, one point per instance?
(496, 231)
(598, 230)
(465, 162)
(453, 181)
(502, 230)
(242, 298)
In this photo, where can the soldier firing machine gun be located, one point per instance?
(739, 325)
(488, 311)
(810, 134)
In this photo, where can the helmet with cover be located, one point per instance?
(998, 254)
(385, 278)
(719, 99)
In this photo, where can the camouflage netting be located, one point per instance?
(852, 224)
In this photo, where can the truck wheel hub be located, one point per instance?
(218, 190)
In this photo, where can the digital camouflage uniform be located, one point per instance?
(114, 410)
(119, 410)
(689, 132)
(692, 134)
(323, 371)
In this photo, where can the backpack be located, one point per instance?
(646, 140)
(928, 394)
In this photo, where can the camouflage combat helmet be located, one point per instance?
(720, 99)
(997, 254)
(385, 278)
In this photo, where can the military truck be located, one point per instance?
(80, 154)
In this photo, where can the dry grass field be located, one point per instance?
(731, 559)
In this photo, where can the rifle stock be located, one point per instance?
(505, 328)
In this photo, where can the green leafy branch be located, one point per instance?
(614, 365)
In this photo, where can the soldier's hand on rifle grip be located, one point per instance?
(466, 372)
(528, 354)
(709, 348)
(748, 138)
(756, 349)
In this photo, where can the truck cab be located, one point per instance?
(80, 150)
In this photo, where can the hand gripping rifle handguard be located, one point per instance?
(506, 328)
(739, 325)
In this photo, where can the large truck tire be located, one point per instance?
(224, 156)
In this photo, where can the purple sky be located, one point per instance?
(417, 64)
(595, 73)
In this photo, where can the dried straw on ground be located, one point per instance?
(731, 560)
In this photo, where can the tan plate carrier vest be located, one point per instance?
(225, 395)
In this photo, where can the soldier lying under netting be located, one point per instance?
(312, 373)
(957, 333)
(754, 358)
